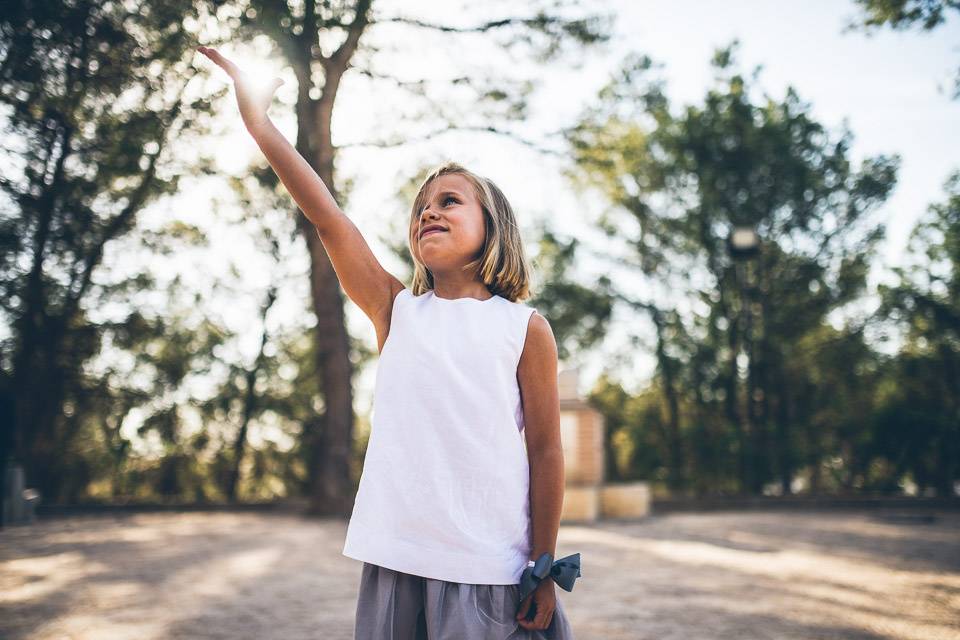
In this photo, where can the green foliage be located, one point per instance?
(95, 95)
(902, 14)
(919, 419)
(579, 314)
(743, 345)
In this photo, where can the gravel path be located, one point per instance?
(718, 575)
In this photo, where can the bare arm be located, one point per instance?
(540, 395)
(296, 174)
(363, 278)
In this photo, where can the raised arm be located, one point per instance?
(365, 281)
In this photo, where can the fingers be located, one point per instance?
(542, 619)
(533, 625)
(540, 622)
(232, 70)
(524, 608)
(543, 613)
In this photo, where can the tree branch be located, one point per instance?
(340, 58)
(588, 30)
(486, 26)
(409, 83)
(448, 128)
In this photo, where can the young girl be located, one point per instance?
(458, 508)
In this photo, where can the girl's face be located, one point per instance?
(452, 204)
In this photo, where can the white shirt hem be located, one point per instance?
(465, 568)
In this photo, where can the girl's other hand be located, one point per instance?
(252, 100)
(544, 602)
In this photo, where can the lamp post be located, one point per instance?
(743, 244)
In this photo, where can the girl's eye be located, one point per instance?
(445, 200)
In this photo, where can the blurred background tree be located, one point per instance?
(918, 422)
(732, 330)
(95, 96)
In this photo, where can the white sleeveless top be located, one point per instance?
(445, 487)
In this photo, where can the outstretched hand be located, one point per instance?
(253, 100)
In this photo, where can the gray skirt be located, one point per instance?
(393, 605)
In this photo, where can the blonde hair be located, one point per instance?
(503, 265)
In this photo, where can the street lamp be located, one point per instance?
(743, 242)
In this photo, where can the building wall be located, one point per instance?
(581, 434)
(586, 497)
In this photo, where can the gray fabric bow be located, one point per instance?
(564, 572)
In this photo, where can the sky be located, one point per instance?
(884, 86)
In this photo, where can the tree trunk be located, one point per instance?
(249, 400)
(331, 482)
(668, 375)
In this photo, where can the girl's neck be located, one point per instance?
(476, 290)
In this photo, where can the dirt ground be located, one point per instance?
(717, 575)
